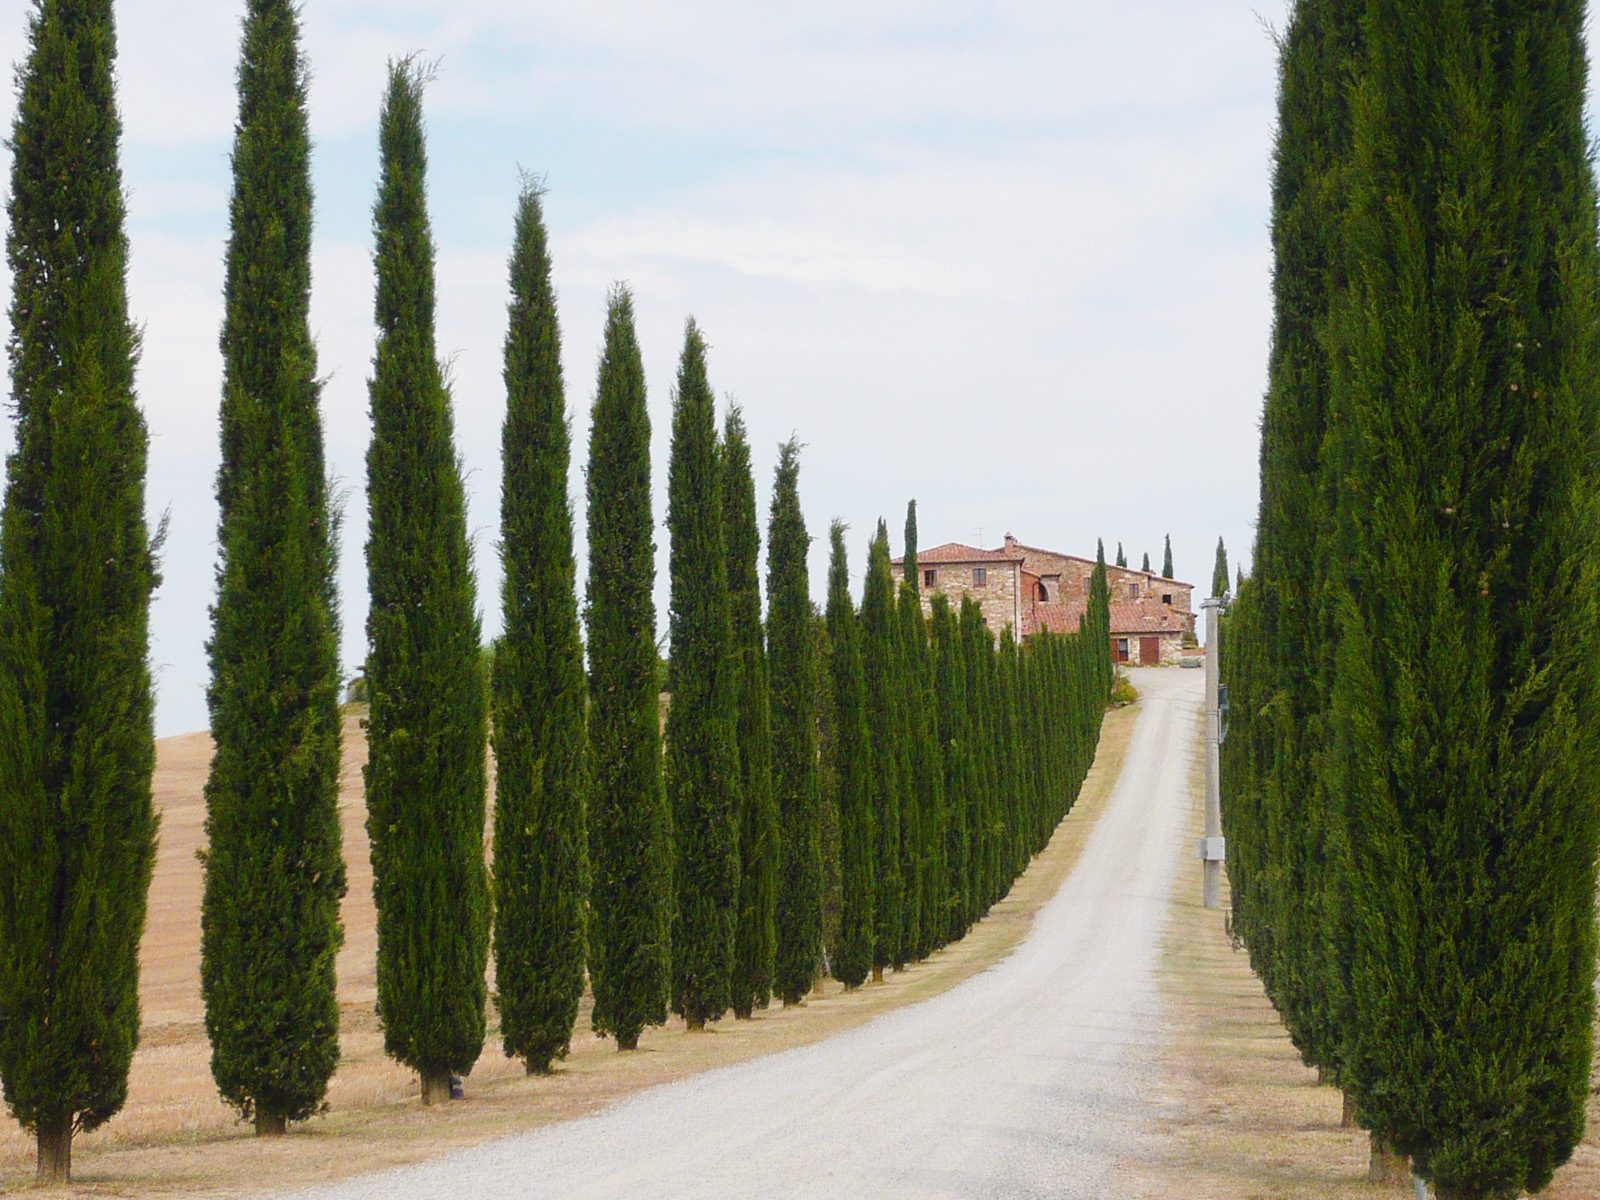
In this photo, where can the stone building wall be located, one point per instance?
(998, 597)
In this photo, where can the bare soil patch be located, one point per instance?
(176, 1138)
(1246, 1119)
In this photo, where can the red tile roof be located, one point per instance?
(1134, 616)
(955, 552)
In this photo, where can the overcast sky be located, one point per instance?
(1010, 259)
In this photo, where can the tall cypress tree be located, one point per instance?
(1465, 353)
(427, 727)
(791, 652)
(1166, 561)
(702, 766)
(852, 769)
(924, 854)
(77, 826)
(755, 934)
(1219, 572)
(538, 686)
(1122, 559)
(880, 660)
(274, 873)
(1146, 566)
(630, 939)
(956, 755)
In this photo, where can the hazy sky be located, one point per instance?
(1010, 259)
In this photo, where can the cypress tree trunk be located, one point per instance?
(630, 934)
(77, 826)
(755, 935)
(1464, 409)
(794, 734)
(538, 687)
(274, 870)
(880, 661)
(427, 728)
(702, 767)
(852, 769)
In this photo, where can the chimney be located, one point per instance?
(1011, 544)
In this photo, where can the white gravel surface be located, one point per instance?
(1031, 1079)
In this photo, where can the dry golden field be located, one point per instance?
(176, 1138)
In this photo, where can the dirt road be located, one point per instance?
(1027, 1080)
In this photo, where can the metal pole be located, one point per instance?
(1212, 847)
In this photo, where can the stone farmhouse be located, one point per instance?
(1031, 589)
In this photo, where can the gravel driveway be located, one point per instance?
(1030, 1079)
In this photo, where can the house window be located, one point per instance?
(1044, 593)
(1166, 598)
(980, 576)
(929, 578)
(1133, 591)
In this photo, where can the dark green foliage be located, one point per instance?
(923, 848)
(538, 689)
(427, 726)
(1219, 573)
(1122, 559)
(1464, 413)
(828, 834)
(755, 935)
(792, 656)
(880, 659)
(702, 767)
(852, 771)
(956, 754)
(77, 827)
(274, 873)
(630, 940)
(1166, 562)
(1146, 566)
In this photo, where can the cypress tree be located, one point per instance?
(828, 833)
(630, 829)
(1146, 566)
(77, 567)
(755, 934)
(880, 660)
(274, 873)
(1166, 562)
(1463, 440)
(792, 655)
(1122, 559)
(427, 727)
(922, 821)
(1219, 573)
(701, 765)
(852, 770)
(955, 753)
(538, 692)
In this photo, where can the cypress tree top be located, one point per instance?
(1219, 573)
(1166, 561)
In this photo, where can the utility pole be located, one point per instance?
(1212, 847)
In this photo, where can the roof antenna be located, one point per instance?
(980, 536)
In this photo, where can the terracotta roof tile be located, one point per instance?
(956, 553)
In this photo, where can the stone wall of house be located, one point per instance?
(1171, 649)
(997, 597)
(1124, 583)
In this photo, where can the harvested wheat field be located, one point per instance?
(175, 1137)
(1247, 1119)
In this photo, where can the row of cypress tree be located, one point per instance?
(690, 880)
(1409, 789)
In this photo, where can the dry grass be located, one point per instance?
(176, 1138)
(1246, 1119)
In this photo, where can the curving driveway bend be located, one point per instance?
(1031, 1079)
